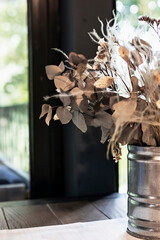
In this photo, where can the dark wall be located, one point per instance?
(64, 161)
(87, 172)
(80, 17)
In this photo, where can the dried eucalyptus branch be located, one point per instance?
(118, 90)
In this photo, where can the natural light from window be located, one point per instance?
(130, 10)
(14, 137)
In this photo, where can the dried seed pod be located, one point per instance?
(124, 53)
(144, 18)
(154, 23)
(140, 42)
(137, 58)
(147, 19)
(142, 47)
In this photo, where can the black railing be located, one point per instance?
(14, 135)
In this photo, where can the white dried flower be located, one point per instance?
(55, 118)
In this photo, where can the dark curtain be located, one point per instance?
(64, 161)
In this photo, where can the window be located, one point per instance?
(14, 129)
(132, 9)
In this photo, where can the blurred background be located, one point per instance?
(14, 87)
(14, 135)
(14, 126)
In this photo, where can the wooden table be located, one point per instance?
(35, 213)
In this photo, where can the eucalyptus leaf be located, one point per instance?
(123, 110)
(62, 66)
(104, 82)
(105, 134)
(44, 110)
(79, 121)
(63, 82)
(77, 94)
(64, 115)
(65, 99)
(49, 116)
(53, 70)
(77, 58)
(83, 106)
(81, 68)
(102, 119)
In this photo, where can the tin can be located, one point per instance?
(144, 192)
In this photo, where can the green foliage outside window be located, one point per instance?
(132, 9)
(14, 133)
(13, 52)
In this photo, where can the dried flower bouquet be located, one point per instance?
(118, 90)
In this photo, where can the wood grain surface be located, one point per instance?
(30, 216)
(113, 207)
(76, 212)
(3, 223)
(25, 214)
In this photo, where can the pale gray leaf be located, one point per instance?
(83, 106)
(81, 68)
(65, 99)
(124, 110)
(105, 134)
(62, 66)
(64, 115)
(52, 71)
(77, 58)
(102, 119)
(79, 121)
(78, 94)
(49, 116)
(44, 110)
(104, 82)
(63, 82)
